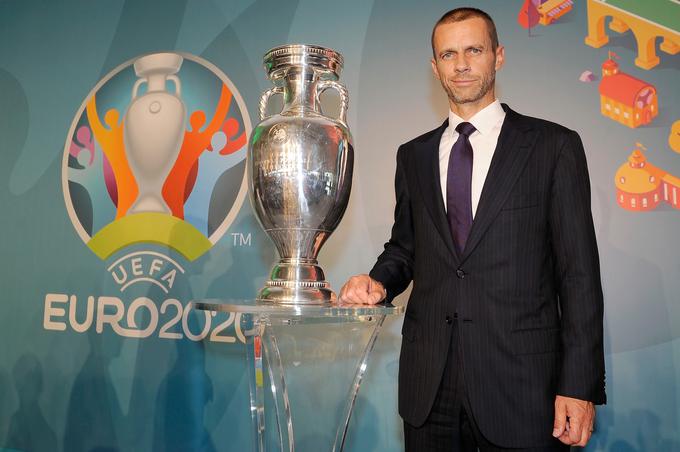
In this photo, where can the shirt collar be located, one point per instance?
(484, 120)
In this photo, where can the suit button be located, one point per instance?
(460, 273)
(449, 320)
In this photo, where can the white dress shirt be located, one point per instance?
(488, 123)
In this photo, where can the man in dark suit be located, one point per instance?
(502, 338)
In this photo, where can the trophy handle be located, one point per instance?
(344, 96)
(178, 85)
(136, 86)
(265, 98)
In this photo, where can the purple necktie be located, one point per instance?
(459, 186)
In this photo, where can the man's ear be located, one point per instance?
(500, 57)
(433, 63)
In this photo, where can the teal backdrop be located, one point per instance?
(73, 379)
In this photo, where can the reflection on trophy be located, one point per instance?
(300, 170)
(154, 129)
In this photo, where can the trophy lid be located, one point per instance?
(326, 61)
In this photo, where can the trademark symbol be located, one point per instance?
(241, 239)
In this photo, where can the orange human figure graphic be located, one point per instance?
(195, 142)
(111, 141)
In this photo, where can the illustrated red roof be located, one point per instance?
(622, 88)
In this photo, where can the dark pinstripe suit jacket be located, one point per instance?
(526, 289)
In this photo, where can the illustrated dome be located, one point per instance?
(636, 175)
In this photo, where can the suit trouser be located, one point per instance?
(450, 425)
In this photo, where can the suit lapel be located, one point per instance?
(430, 184)
(509, 159)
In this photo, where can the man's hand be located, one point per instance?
(574, 420)
(362, 289)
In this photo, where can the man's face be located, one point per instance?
(464, 61)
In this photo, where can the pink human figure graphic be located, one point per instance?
(84, 142)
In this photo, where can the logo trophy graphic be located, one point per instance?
(300, 170)
(166, 167)
(154, 129)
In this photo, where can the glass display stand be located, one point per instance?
(308, 354)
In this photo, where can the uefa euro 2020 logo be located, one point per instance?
(156, 154)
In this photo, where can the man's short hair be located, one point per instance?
(461, 14)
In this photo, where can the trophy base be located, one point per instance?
(298, 283)
(299, 295)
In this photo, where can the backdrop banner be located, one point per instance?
(123, 131)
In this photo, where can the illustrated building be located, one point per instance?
(626, 99)
(641, 186)
(674, 137)
(551, 10)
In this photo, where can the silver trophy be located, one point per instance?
(300, 170)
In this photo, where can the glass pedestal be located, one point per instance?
(313, 360)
